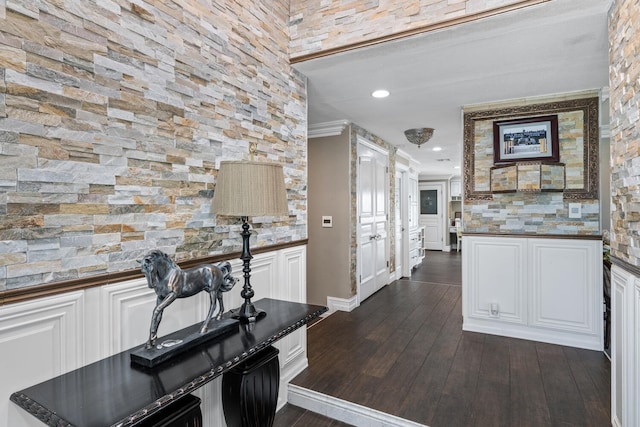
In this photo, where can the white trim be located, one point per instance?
(372, 146)
(341, 410)
(401, 153)
(525, 332)
(333, 128)
(342, 304)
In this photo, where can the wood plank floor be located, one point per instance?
(403, 352)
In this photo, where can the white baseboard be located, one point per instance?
(342, 410)
(525, 332)
(342, 304)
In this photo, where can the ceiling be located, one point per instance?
(555, 47)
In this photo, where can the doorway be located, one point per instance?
(432, 214)
(373, 218)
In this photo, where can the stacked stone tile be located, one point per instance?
(528, 210)
(322, 25)
(114, 117)
(624, 82)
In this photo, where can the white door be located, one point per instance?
(432, 215)
(373, 221)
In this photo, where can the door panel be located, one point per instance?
(373, 223)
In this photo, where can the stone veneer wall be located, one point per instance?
(531, 212)
(624, 84)
(322, 25)
(114, 117)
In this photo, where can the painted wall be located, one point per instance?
(114, 117)
(329, 249)
(533, 212)
(317, 26)
(327, 182)
(624, 82)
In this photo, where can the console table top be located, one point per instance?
(114, 392)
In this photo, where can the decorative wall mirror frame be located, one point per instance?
(589, 107)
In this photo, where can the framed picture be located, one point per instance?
(532, 138)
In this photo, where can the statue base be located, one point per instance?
(180, 341)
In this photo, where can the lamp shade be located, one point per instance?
(246, 188)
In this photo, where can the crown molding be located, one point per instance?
(333, 128)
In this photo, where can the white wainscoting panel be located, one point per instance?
(634, 369)
(44, 338)
(264, 276)
(126, 314)
(562, 291)
(38, 340)
(622, 405)
(293, 347)
(496, 277)
(547, 290)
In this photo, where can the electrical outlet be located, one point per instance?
(495, 309)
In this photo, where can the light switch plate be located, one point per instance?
(327, 221)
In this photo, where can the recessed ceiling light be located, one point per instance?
(456, 167)
(380, 93)
(437, 148)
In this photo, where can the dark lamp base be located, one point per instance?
(248, 313)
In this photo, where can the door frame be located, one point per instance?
(366, 144)
(403, 171)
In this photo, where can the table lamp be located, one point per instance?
(247, 189)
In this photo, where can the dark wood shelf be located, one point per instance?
(114, 392)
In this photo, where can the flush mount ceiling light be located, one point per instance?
(380, 93)
(419, 136)
(437, 149)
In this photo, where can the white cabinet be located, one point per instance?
(416, 247)
(455, 189)
(625, 348)
(543, 289)
(416, 233)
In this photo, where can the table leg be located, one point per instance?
(185, 412)
(250, 390)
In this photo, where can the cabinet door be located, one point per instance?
(414, 202)
(455, 187)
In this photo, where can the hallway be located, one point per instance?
(403, 352)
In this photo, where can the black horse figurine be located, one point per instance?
(170, 282)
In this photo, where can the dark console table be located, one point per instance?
(113, 392)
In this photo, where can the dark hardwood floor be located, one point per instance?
(403, 352)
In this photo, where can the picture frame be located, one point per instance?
(526, 139)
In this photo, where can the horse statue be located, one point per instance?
(169, 282)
